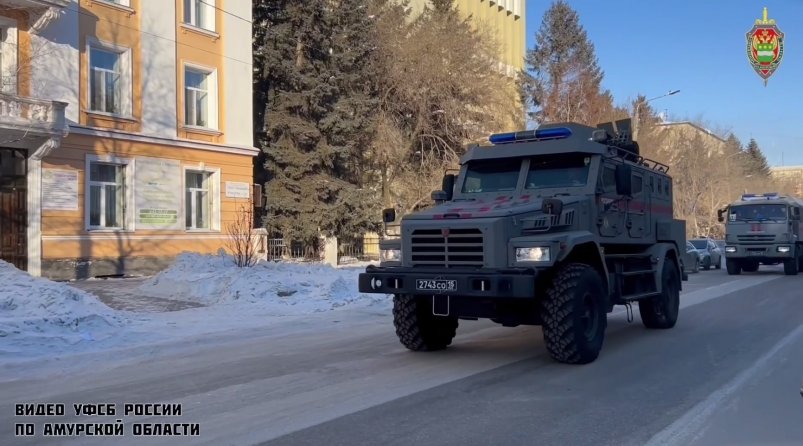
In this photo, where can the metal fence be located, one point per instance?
(352, 250)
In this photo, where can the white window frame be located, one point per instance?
(214, 196)
(191, 13)
(128, 193)
(212, 94)
(126, 81)
(9, 38)
(126, 3)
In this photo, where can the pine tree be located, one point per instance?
(566, 81)
(291, 59)
(758, 164)
(316, 85)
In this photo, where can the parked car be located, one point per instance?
(710, 252)
(692, 259)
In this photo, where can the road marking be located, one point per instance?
(691, 423)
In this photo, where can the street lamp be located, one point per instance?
(637, 117)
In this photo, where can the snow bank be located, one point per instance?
(35, 311)
(274, 288)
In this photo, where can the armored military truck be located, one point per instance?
(763, 229)
(550, 227)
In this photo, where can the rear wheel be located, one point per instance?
(574, 316)
(707, 263)
(734, 267)
(417, 328)
(696, 266)
(662, 310)
(719, 263)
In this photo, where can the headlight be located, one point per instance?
(730, 249)
(783, 249)
(538, 254)
(390, 255)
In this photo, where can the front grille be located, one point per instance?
(462, 247)
(756, 238)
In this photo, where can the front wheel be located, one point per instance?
(790, 266)
(574, 316)
(662, 311)
(734, 268)
(696, 265)
(417, 328)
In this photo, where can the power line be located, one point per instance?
(227, 12)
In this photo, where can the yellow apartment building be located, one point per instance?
(125, 132)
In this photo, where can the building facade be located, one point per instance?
(506, 18)
(125, 132)
(791, 177)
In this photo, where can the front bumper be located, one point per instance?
(496, 283)
(759, 252)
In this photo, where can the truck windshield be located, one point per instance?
(492, 175)
(564, 170)
(758, 212)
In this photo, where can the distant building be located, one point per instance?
(125, 131)
(505, 17)
(685, 129)
(791, 175)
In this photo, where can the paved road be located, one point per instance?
(729, 373)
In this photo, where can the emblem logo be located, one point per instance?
(765, 47)
(445, 232)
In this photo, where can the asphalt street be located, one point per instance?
(729, 373)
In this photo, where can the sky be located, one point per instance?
(699, 48)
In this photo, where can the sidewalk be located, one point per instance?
(122, 294)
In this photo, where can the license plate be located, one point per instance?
(435, 284)
(755, 253)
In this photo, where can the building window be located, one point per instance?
(200, 13)
(8, 56)
(106, 195)
(109, 81)
(198, 204)
(200, 98)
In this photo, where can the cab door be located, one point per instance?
(611, 222)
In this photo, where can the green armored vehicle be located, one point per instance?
(550, 227)
(763, 229)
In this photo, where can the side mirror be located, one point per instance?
(389, 215)
(448, 186)
(624, 180)
(439, 196)
(552, 206)
(720, 215)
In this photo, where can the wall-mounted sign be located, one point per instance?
(60, 189)
(238, 190)
(157, 193)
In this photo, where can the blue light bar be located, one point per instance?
(531, 135)
(767, 196)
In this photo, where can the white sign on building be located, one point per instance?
(157, 193)
(237, 190)
(60, 189)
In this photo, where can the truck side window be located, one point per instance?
(609, 178)
(638, 184)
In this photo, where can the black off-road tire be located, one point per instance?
(750, 267)
(733, 266)
(417, 328)
(662, 311)
(574, 315)
(790, 266)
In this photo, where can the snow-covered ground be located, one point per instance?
(46, 320)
